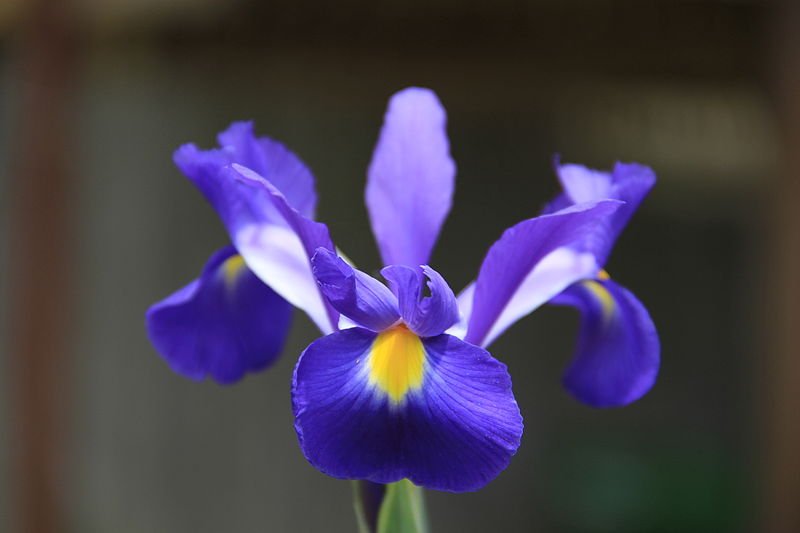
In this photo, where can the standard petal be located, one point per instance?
(427, 316)
(448, 423)
(618, 352)
(411, 178)
(628, 182)
(507, 274)
(281, 254)
(356, 295)
(224, 324)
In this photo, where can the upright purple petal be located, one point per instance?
(411, 178)
(426, 316)
(454, 426)
(224, 324)
(512, 261)
(618, 352)
(356, 295)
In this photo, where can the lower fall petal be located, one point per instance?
(618, 353)
(224, 324)
(388, 406)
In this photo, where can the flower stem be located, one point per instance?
(394, 508)
(367, 499)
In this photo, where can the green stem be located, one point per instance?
(367, 499)
(394, 508)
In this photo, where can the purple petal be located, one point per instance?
(272, 160)
(628, 182)
(280, 254)
(512, 260)
(454, 429)
(583, 184)
(268, 158)
(557, 271)
(361, 298)
(427, 316)
(411, 178)
(224, 324)
(618, 351)
(275, 239)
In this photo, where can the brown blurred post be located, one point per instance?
(40, 260)
(781, 390)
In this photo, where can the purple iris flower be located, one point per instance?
(400, 385)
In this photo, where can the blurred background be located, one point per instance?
(98, 435)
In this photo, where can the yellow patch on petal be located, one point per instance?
(603, 275)
(231, 269)
(397, 363)
(602, 295)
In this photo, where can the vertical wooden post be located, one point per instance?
(780, 390)
(40, 253)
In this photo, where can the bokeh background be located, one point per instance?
(98, 435)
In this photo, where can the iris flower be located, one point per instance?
(401, 385)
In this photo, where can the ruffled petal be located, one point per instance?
(438, 411)
(427, 316)
(356, 295)
(411, 178)
(618, 352)
(223, 324)
(508, 275)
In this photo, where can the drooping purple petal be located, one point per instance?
(427, 316)
(511, 263)
(455, 430)
(223, 324)
(275, 239)
(411, 178)
(618, 352)
(356, 295)
(628, 182)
